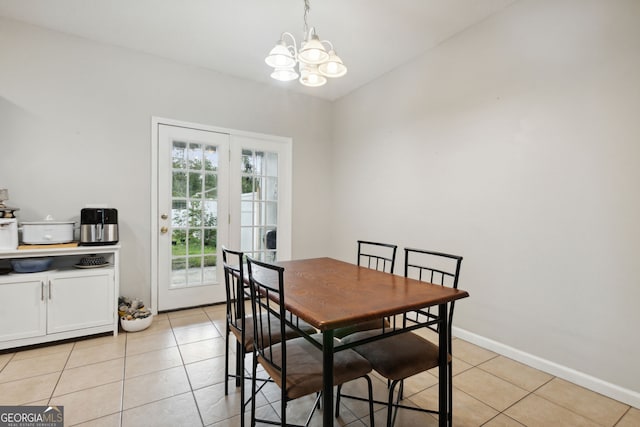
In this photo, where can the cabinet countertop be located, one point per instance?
(77, 250)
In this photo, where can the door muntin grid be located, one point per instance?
(259, 204)
(194, 214)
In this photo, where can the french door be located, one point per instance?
(214, 187)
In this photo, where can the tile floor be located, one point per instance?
(172, 374)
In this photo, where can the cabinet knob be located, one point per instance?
(164, 230)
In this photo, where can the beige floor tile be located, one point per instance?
(200, 319)
(489, 389)
(428, 334)
(587, 403)
(299, 409)
(467, 410)
(5, 358)
(154, 369)
(147, 343)
(202, 350)
(404, 418)
(262, 412)
(175, 411)
(27, 390)
(90, 404)
(161, 316)
(155, 386)
(215, 406)
(502, 421)
(33, 367)
(152, 361)
(37, 403)
(209, 371)
(90, 376)
(359, 388)
(534, 411)
(157, 325)
(43, 351)
(630, 419)
(196, 333)
(418, 383)
(459, 366)
(81, 356)
(471, 353)
(185, 313)
(112, 420)
(100, 340)
(221, 326)
(216, 312)
(517, 373)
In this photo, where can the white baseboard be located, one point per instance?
(613, 391)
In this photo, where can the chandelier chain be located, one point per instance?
(306, 13)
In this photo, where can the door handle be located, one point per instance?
(164, 216)
(42, 290)
(164, 230)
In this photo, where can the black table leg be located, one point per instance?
(443, 368)
(327, 378)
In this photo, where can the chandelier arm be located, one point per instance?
(293, 44)
(329, 43)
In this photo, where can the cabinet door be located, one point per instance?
(80, 300)
(24, 307)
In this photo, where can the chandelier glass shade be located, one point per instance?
(312, 63)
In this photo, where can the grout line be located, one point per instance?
(124, 372)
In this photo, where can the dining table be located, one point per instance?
(330, 294)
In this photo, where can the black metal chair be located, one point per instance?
(406, 354)
(295, 365)
(376, 256)
(240, 324)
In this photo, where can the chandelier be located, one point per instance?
(313, 61)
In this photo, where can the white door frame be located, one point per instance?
(284, 201)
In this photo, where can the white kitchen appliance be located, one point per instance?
(8, 234)
(47, 232)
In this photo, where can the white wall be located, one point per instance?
(515, 144)
(75, 128)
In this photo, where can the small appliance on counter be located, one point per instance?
(47, 232)
(98, 226)
(8, 234)
(8, 223)
(6, 211)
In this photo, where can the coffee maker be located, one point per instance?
(98, 226)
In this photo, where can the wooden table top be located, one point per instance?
(329, 294)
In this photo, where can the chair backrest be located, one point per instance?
(377, 256)
(266, 284)
(235, 287)
(434, 267)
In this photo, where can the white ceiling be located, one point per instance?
(233, 36)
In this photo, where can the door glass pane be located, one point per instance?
(211, 158)
(259, 209)
(194, 214)
(179, 185)
(179, 155)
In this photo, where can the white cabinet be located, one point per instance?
(63, 302)
(24, 311)
(79, 301)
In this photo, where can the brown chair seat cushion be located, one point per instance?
(399, 356)
(304, 366)
(275, 331)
